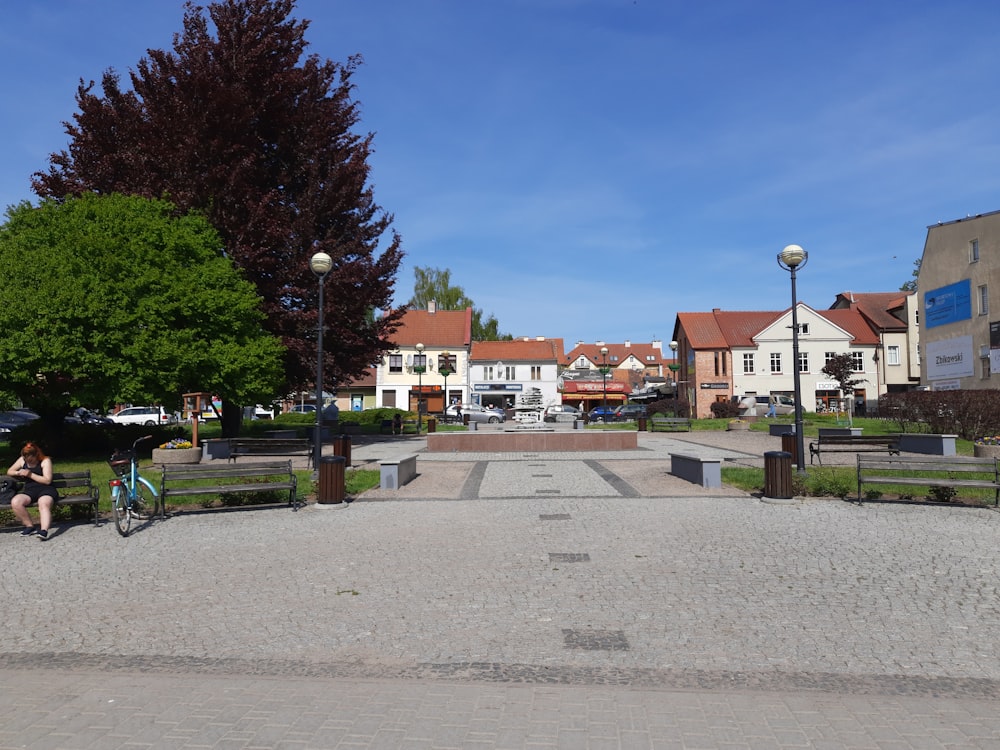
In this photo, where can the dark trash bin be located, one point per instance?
(342, 447)
(642, 424)
(432, 424)
(790, 444)
(331, 480)
(778, 474)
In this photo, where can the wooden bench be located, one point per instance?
(185, 480)
(270, 447)
(911, 468)
(395, 472)
(669, 424)
(853, 444)
(75, 488)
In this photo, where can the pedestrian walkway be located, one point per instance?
(619, 612)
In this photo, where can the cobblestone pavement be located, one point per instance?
(496, 616)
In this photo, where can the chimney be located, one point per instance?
(628, 344)
(432, 306)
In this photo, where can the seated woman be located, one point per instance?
(34, 469)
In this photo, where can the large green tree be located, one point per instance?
(433, 284)
(119, 299)
(239, 122)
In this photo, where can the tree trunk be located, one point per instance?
(232, 419)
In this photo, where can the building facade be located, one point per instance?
(723, 354)
(959, 340)
(501, 371)
(429, 368)
(592, 376)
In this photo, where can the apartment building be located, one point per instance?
(893, 317)
(960, 341)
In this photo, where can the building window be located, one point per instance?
(984, 300)
(775, 361)
(488, 372)
(974, 251)
(858, 361)
(892, 355)
(828, 357)
(420, 360)
(583, 363)
(803, 361)
(508, 372)
(536, 372)
(748, 364)
(395, 363)
(804, 329)
(985, 362)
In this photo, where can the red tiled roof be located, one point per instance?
(875, 307)
(517, 350)
(721, 329)
(435, 329)
(622, 352)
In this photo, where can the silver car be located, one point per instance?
(477, 413)
(561, 413)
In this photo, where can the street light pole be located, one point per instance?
(604, 381)
(674, 367)
(791, 259)
(320, 263)
(420, 369)
(445, 370)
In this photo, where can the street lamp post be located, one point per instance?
(791, 259)
(604, 381)
(444, 367)
(674, 367)
(320, 263)
(420, 369)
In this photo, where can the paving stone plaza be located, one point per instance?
(513, 601)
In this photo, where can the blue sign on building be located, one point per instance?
(948, 304)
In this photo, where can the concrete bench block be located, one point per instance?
(706, 472)
(396, 472)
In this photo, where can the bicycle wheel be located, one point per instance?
(119, 508)
(143, 502)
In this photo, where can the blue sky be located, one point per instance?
(588, 168)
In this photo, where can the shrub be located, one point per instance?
(966, 413)
(669, 406)
(725, 409)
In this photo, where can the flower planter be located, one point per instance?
(738, 426)
(987, 451)
(176, 455)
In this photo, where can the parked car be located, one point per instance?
(629, 412)
(561, 413)
(80, 415)
(477, 413)
(302, 409)
(15, 418)
(601, 414)
(147, 415)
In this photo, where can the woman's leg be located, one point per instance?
(19, 504)
(45, 503)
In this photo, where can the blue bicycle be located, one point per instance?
(130, 492)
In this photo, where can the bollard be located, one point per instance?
(790, 445)
(331, 480)
(778, 474)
